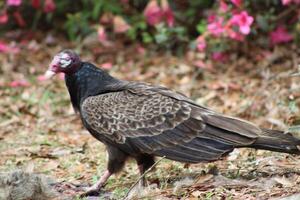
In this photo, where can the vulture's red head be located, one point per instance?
(66, 62)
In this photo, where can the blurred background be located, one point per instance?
(237, 57)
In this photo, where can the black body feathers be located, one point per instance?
(140, 120)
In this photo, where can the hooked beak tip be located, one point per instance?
(49, 74)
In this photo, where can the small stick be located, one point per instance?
(142, 176)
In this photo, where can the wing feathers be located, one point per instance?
(227, 137)
(235, 125)
(157, 120)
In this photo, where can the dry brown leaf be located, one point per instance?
(204, 178)
(197, 193)
(285, 182)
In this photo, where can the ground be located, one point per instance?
(39, 127)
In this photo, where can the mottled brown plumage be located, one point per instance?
(142, 121)
(131, 114)
(156, 118)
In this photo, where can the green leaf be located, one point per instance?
(142, 25)
(97, 9)
(146, 37)
(161, 38)
(131, 33)
(201, 26)
(263, 23)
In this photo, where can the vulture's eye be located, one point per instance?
(65, 62)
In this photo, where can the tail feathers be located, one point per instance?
(279, 141)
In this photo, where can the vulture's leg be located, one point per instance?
(144, 162)
(116, 160)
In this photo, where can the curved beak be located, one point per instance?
(49, 74)
(53, 68)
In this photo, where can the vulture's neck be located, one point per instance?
(87, 81)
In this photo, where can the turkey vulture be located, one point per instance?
(141, 121)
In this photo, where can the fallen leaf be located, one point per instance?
(197, 193)
(107, 65)
(284, 181)
(19, 83)
(204, 178)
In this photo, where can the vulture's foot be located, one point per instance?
(94, 190)
(91, 191)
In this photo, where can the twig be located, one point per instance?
(142, 176)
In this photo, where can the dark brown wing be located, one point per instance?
(158, 120)
(125, 114)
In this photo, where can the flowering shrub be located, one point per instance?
(209, 26)
(156, 14)
(237, 20)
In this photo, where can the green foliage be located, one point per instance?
(201, 26)
(169, 36)
(77, 26)
(189, 19)
(139, 27)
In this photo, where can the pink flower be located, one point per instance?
(286, 2)
(167, 12)
(153, 13)
(223, 6)
(13, 2)
(35, 3)
(216, 27)
(237, 3)
(243, 20)
(211, 18)
(19, 83)
(201, 44)
(4, 47)
(3, 18)
(235, 35)
(219, 56)
(49, 6)
(280, 35)
(102, 37)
